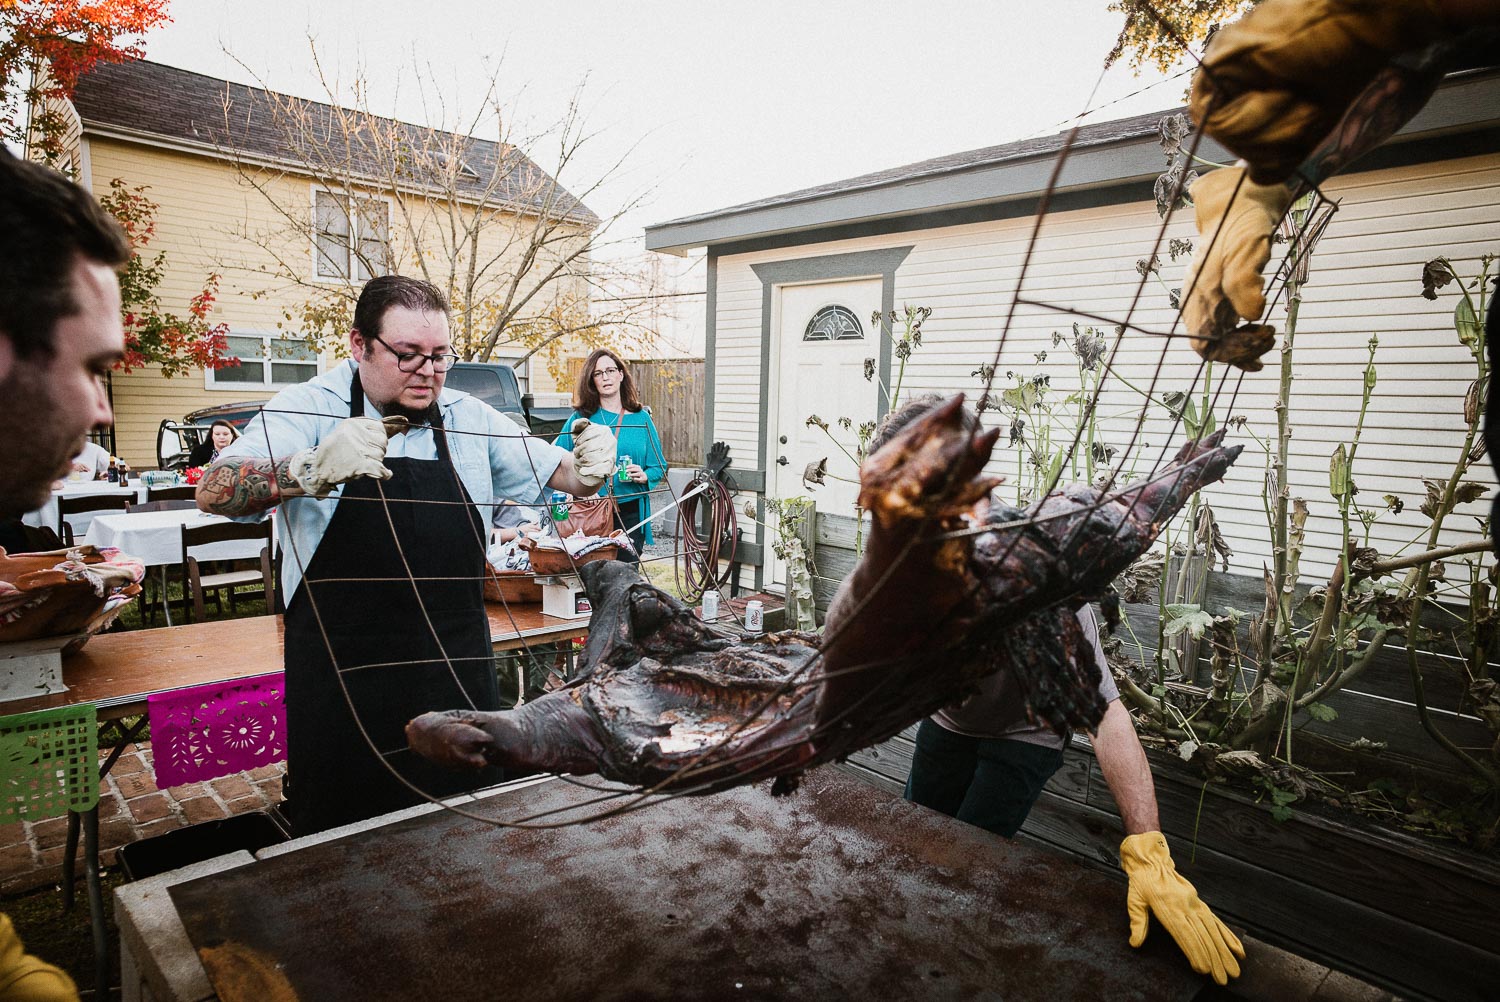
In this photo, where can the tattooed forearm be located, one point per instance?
(246, 486)
(1389, 102)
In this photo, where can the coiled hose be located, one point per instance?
(698, 569)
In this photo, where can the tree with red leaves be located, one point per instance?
(179, 344)
(47, 45)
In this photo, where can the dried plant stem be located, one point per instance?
(1427, 556)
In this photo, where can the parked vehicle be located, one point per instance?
(493, 382)
(175, 440)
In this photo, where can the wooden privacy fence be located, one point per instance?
(674, 390)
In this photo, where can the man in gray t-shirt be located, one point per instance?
(982, 761)
(998, 710)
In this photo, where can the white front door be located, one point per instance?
(825, 336)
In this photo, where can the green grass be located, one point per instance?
(134, 616)
(66, 938)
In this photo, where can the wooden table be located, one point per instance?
(118, 671)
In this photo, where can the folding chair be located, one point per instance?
(49, 765)
(184, 493)
(195, 583)
(174, 505)
(82, 505)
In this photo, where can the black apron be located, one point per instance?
(368, 606)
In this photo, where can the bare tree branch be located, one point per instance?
(510, 240)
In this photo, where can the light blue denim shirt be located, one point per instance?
(496, 459)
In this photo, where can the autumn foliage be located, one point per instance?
(47, 45)
(179, 344)
(1160, 33)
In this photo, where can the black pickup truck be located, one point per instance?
(493, 382)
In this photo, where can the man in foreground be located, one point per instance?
(60, 333)
(983, 761)
(386, 483)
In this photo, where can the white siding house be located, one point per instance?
(954, 235)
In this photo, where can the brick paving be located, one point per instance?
(130, 808)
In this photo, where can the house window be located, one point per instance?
(834, 323)
(353, 236)
(266, 362)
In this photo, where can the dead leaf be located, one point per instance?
(1435, 274)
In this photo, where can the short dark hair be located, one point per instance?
(586, 394)
(48, 223)
(909, 412)
(380, 294)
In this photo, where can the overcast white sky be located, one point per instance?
(723, 102)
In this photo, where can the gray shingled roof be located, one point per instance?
(157, 100)
(1106, 157)
(1090, 135)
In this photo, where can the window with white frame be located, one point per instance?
(266, 362)
(353, 236)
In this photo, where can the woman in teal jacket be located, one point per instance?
(606, 395)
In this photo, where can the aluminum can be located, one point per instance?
(755, 616)
(710, 606)
(620, 469)
(559, 506)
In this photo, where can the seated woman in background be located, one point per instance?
(92, 461)
(607, 395)
(220, 434)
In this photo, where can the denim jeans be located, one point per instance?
(989, 782)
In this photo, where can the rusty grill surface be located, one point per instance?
(839, 891)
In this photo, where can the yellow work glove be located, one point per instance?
(24, 978)
(1156, 886)
(593, 452)
(1275, 83)
(1225, 282)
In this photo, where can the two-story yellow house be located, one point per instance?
(296, 203)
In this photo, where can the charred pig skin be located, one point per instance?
(943, 595)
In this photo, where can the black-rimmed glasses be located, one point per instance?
(412, 361)
(606, 372)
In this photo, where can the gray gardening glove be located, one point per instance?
(355, 449)
(593, 452)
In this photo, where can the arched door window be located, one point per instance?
(834, 323)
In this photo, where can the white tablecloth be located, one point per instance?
(155, 537)
(45, 517)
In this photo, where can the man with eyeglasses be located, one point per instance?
(380, 476)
